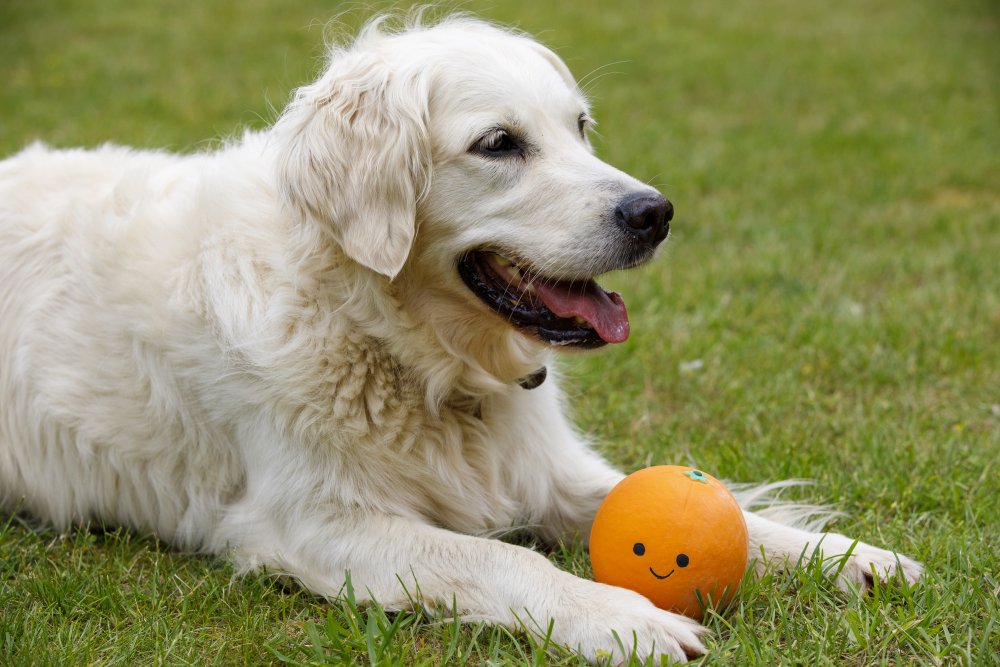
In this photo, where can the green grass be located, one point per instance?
(834, 273)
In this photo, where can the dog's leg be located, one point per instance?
(402, 562)
(577, 488)
(849, 562)
(557, 476)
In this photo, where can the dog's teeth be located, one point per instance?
(515, 273)
(502, 261)
(530, 288)
(582, 322)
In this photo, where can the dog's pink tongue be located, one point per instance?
(604, 311)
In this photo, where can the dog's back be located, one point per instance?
(95, 420)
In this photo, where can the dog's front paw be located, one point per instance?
(858, 565)
(613, 623)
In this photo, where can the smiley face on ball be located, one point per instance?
(681, 561)
(673, 534)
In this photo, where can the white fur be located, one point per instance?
(265, 351)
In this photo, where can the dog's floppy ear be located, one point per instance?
(354, 155)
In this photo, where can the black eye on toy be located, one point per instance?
(638, 548)
(682, 560)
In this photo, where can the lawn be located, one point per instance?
(828, 307)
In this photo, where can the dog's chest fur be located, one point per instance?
(371, 430)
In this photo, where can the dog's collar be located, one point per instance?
(534, 380)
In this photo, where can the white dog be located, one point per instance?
(322, 349)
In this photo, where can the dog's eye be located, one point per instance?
(498, 143)
(581, 124)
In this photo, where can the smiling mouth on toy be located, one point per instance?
(660, 576)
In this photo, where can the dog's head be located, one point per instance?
(455, 158)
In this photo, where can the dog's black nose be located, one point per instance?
(645, 216)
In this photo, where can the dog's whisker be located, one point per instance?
(587, 80)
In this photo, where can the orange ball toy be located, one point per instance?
(671, 533)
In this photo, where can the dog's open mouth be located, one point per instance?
(560, 312)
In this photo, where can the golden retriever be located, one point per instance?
(323, 348)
